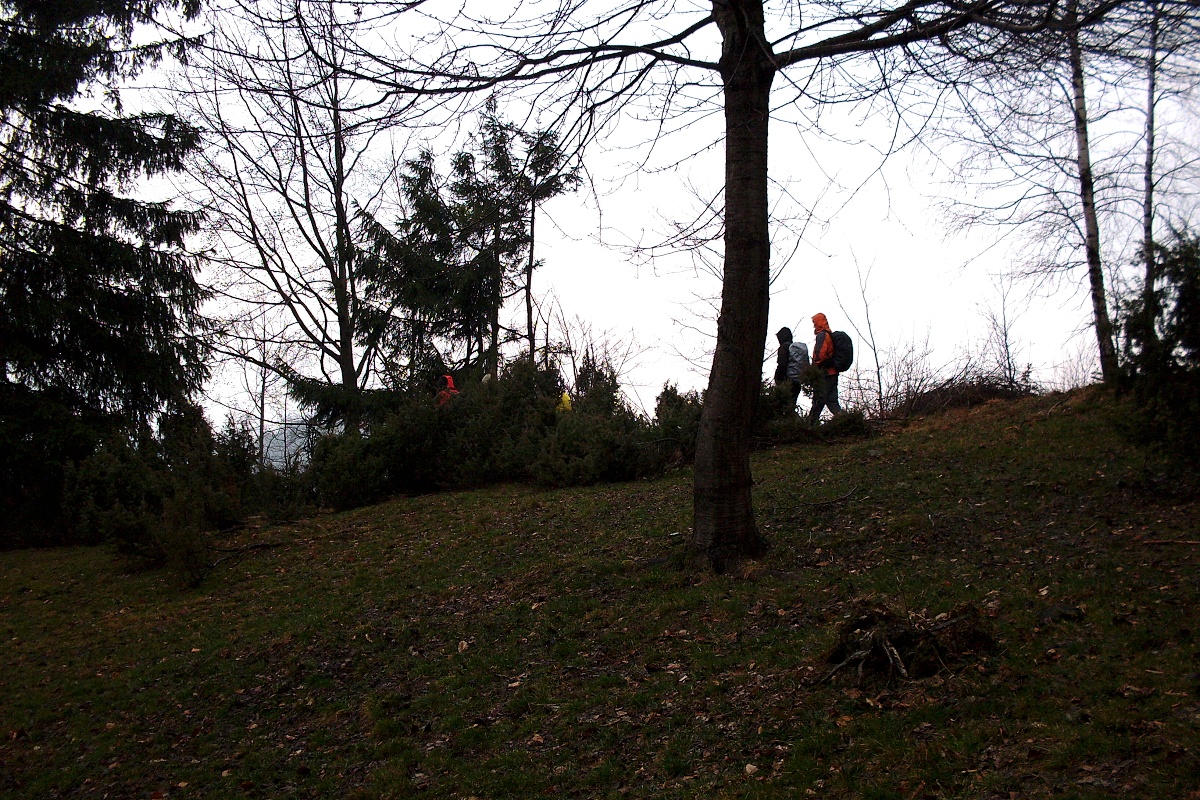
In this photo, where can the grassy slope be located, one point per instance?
(516, 643)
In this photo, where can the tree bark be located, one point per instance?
(529, 286)
(724, 531)
(1087, 194)
(1149, 298)
(262, 418)
(495, 301)
(343, 286)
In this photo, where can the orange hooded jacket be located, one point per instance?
(823, 347)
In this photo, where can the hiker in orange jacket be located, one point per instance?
(823, 358)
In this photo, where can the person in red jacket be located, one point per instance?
(823, 358)
(446, 390)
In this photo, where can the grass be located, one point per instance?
(513, 643)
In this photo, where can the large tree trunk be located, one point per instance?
(724, 530)
(1087, 194)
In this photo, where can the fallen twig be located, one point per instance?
(860, 657)
(947, 623)
(1056, 405)
(234, 552)
(248, 548)
(1172, 541)
(828, 502)
(894, 657)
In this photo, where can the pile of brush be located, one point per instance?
(877, 642)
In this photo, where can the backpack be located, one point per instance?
(797, 359)
(843, 351)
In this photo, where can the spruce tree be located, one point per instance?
(458, 253)
(98, 298)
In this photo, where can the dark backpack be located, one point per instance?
(843, 351)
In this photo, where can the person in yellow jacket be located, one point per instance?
(823, 358)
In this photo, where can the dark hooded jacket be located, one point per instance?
(785, 343)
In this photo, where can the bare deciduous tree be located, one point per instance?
(1167, 55)
(1046, 149)
(604, 56)
(290, 138)
(1001, 345)
(255, 353)
(876, 396)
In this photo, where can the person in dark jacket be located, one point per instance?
(792, 360)
(823, 358)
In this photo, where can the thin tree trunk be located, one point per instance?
(1149, 299)
(285, 433)
(493, 365)
(494, 351)
(1087, 193)
(262, 418)
(862, 290)
(529, 286)
(343, 285)
(724, 530)
(262, 398)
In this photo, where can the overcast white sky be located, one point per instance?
(868, 214)
(922, 283)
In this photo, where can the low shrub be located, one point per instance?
(848, 423)
(797, 429)
(502, 430)
(344, 471)
(114, 495)
(279, 493)
(495, 428)
(43, 436)
(584, 449)
(964, 390)
(677, 422)
(774, 403)
(157, 497)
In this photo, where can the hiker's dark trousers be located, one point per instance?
(794, 389)
(825, 399)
